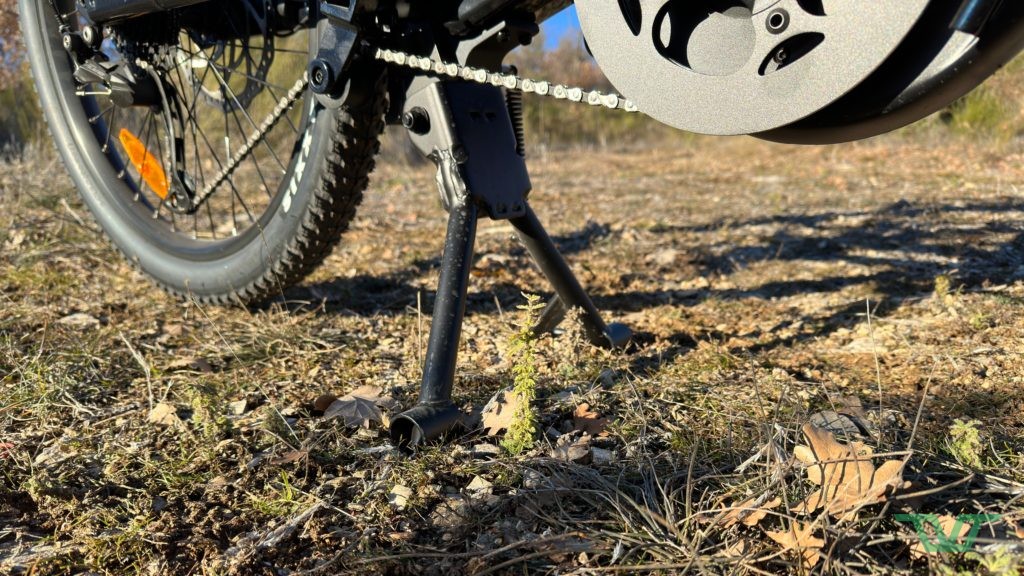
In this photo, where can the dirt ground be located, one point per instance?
(879, 285)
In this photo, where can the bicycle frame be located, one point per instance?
(104, 11)
(459, 14)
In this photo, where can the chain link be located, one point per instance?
(509, 81)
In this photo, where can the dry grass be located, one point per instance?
(765, 284)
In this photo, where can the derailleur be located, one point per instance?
(139, 85)
(124, 86)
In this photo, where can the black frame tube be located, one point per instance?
(973, 15)
(100, 11)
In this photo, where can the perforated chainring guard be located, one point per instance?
(713, 66)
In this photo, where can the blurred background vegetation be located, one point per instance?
(20, 119)
(992, 112)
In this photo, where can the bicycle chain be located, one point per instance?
(428, 65)
(507, 81)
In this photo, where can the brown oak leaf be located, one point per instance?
(586, 420)
(738, 549)
(848, 478)
(500, 411)
(801, 540)
(748, 512)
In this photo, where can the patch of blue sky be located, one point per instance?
(563, 24)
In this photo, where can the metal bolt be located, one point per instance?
(321, 76)
(416, 121)
(91, 35)
(777, 21)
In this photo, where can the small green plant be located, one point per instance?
(998, 562)
(982, 113)
(980, 322)
(283, 502)
(521, 431)
(208, 414)
(965, 444)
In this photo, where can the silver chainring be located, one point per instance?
(741, 66)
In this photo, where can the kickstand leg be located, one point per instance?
(569, 293)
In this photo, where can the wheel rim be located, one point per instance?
(221, 90)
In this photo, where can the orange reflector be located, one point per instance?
(145, 163)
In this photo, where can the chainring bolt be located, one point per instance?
(777, 21)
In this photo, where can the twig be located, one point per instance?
(145, 367)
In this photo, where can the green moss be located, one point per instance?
(965, 444)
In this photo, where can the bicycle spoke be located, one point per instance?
(248, 118)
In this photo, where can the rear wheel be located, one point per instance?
(273, 187)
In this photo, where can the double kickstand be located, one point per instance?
(467, 131)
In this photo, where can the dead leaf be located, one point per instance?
(237, 408)
(79, 320)
(852, 406)
(191, 365)
(748, 512)
(289, 457)
(1018, 530)
(569, 449)
(354, 412)
(846, 474)
(500, 411)
(368, 392)
(801, 540)
(838, 423)
(164, 414)
(359, 407)
(737, 550)
(586, 420)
